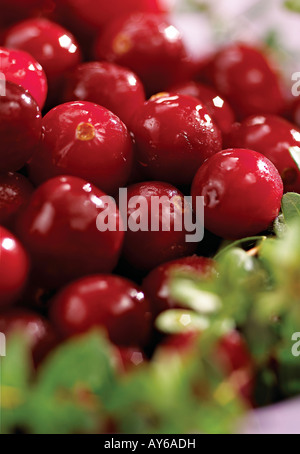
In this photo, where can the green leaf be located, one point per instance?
(272, 40)
(85, 360)
(295, 154)
(151, 400)
(61, 415)
(15, 374)
(237, 265)
(73, 386)
(291, 206)
(176, 321)
(240, 275)
(16, 365)
(293, 5)
(281, 257)
(69, 391)
(280, 226)
(289, 370)
(253, 240)
(76, 391)
(192, 296)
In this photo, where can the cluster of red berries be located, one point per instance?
(101, 95)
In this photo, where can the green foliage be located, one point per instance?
(62, 396)
(78, 389)
(293, 5)
(295, 154)
(259, 290)
(291, 206)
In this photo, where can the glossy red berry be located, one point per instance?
(174, 136)
(20, 127)
(54, 47)
(59, 230)
(22, 69)
(156, 239)
(38, 331)
(109, 85)
(242, 193)
(15, 191)
(273, 137)
(217, 107)
(106, 301)
(84, 140)
(246, 78)
(97, 13)
(157, 284)
(14, 268)
(147, 44)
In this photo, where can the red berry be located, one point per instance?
(157, 284)
(219, 109)
(59, 230)
(54, 47)
(39, 332)
(98, 13)
(107, 301)
(273, 137)
(147, 44)
(14, 267)
(149, 247)
(111, 86)
(84, 140)
(174, 136)
(245, 77)
(22, 69)
(15, 191)
(20, 127)
(242, 193)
